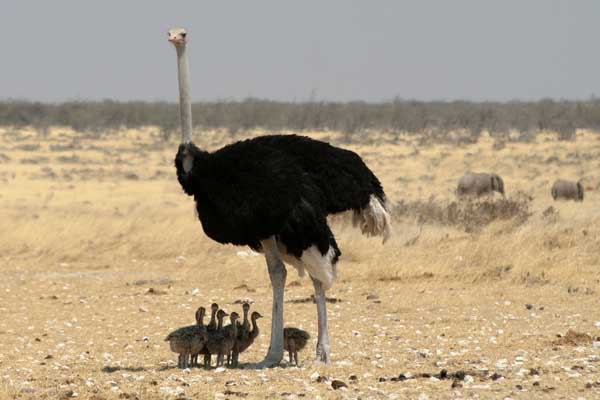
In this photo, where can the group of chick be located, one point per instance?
(226, 342)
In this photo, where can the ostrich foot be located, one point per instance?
(268, 362)
(323, 353)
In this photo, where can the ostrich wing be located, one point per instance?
(344, 180)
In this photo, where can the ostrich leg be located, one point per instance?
(323, 339)
(277, 273)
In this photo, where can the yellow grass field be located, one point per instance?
(101, 256)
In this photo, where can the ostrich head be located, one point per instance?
(234, 317)
(246, 307)
(214, 307)
(256, 315)
(177, 37)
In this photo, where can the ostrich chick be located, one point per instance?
(211, 327)
(200, 322)
(221, 342)
(212, 335)
(242, 343)
(294, 340)
(188, 340)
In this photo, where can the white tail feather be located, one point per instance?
(374, 219)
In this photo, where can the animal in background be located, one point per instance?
(567, 190)
(476, 184)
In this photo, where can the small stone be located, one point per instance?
(519, 387)
(337, 384)
(67, 394)
(456, 384)
(143, 309)
(529, 306)
(496, 376)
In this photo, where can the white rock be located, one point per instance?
(423, 396)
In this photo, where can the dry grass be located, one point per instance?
(90, 225)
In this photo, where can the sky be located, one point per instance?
(338, 50)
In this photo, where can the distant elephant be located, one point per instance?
(478, 184)
(567, 190)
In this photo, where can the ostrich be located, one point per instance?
(273, 193)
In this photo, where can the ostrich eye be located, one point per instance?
(183, 35)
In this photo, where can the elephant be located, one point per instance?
(478, 184)
(567, 190)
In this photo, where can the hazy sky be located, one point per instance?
(277, 49)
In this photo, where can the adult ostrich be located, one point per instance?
(273, 193)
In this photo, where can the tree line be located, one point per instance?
(399, 116)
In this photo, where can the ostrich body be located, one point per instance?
(294, 340)
(274, 193)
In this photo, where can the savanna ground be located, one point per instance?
(101, 256)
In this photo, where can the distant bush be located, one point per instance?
(468, 215)
(434, 119)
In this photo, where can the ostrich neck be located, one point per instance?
(185, 102)
(254, 332)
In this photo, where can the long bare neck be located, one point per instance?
(234, 331)
(220, 326)
(185, 101)
(213, 321)
(254, 332)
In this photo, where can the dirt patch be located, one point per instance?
(573, 338)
